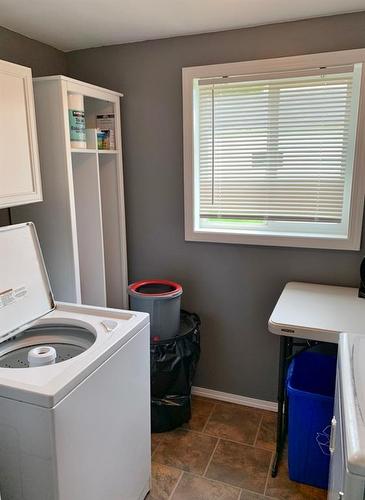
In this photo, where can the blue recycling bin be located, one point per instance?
(310, 390)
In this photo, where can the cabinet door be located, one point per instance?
(20, 181)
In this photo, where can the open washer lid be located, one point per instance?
(25, 292)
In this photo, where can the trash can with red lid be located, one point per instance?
(162, 300)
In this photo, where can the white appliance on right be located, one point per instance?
(347, 445)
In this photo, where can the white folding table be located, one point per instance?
(312, 313)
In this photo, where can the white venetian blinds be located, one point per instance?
(276, 149)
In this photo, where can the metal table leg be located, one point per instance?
(282, 418)
(289, 357)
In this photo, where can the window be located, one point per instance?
(273, 151)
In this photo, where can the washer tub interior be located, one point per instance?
(68, 340)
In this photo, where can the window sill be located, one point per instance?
(306, 241)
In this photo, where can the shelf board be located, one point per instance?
(83, 150)
(99, 151)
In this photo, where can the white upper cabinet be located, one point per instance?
(20, 180)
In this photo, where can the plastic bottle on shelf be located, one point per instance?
(76, 117)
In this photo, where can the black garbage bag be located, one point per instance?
(173, 366)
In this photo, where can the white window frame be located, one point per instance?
(193, 232)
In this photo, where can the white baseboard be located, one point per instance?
(235, 398)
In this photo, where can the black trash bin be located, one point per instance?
(173, 366)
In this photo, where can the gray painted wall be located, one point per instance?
(232, 287)
(43, 60)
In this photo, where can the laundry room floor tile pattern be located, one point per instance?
(233, 422)
(204, 489)
(241, 465)
(201, 411)
(186, 450)
(223, 453)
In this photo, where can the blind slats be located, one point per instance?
(275, 149)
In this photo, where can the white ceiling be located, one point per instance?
(78, 24)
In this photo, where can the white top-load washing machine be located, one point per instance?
(77, 427)
(347, 445)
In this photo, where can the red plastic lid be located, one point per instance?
(155, 288)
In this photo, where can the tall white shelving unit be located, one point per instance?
(81, 223)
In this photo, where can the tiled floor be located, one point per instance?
(223, 453)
